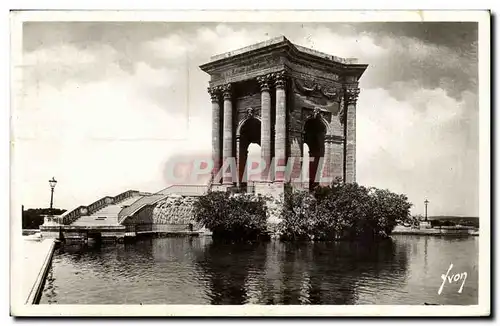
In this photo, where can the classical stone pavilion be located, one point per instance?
(281, 96)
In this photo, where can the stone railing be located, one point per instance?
(152, 199)
(71, 216)
(185, 190)
(138, 205)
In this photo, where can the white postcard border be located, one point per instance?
(483, 307)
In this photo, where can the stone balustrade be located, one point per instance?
(73, 215)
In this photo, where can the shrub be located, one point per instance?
(297, 216)
(236, 217)
(342, 211)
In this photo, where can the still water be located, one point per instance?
(403, 270)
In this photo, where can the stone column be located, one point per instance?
(265, 132)
(296, 141)
(326, 169)
(238, 159)
(337, 158)
(351, 97)
(216, 141)
(280, 126)
(227, 151)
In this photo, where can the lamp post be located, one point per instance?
(52, 184)
(426, 202)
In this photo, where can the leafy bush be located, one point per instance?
(236, 217)
(297, 216)
(342, 211)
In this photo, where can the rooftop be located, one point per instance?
(278, 40)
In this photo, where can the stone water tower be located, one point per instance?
(281, 96)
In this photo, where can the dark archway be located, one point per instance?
(249, 133)
(314, 137)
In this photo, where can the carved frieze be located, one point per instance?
(314, 88)
(248, 66)
(306, 71)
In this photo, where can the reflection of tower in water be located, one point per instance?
(307, 273)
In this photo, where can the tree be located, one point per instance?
(232, 216)
(32, 218)
(342, 211)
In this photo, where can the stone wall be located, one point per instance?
(174, 211)
(244, 102)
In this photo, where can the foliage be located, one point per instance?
(454, 220)
(297, 216)
(342, 211)
(33, 217)
(232, 216)
(412, 220)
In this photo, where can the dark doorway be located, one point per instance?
(249, 134)
(314, 137)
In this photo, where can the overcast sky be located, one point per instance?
(107, 104)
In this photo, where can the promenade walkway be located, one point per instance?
(37, 257)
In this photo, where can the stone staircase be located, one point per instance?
(112, 211)
(107, 215)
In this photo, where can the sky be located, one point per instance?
(104, 106)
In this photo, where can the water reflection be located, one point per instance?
(404, 270)
(304, 273)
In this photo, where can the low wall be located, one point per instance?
(77, 234)
(30, 231)
(435, 231)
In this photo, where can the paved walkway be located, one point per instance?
(37, 258)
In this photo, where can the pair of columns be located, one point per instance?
(227, 136)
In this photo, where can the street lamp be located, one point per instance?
(52, 184)
(426, 202)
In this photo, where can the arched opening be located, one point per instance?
(249, 149)
(314, 137)
(304, 172)
(253, 161)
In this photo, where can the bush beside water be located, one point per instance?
(234, 217)
(342, 211)
(338, 212)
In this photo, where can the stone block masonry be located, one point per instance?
(300, 102)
